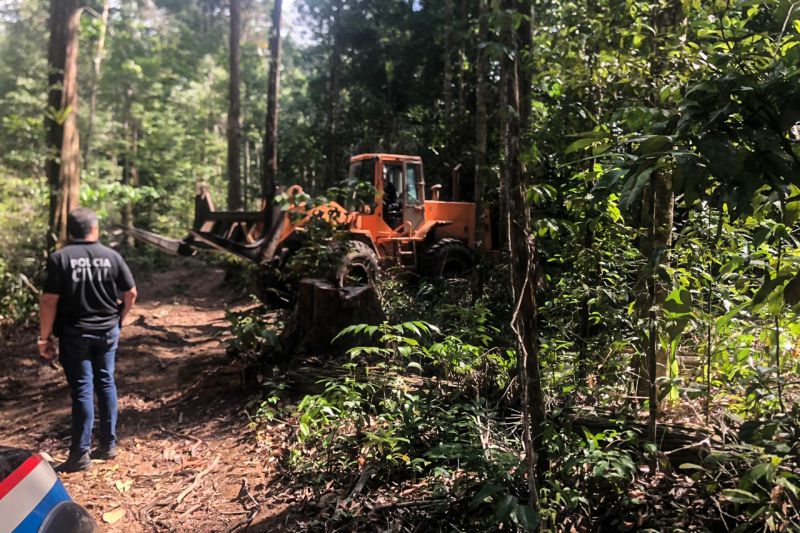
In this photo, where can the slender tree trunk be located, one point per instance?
(270, 168)
(481, 135)
(333, 94)
(584, 313)
(448, 61)
(463, 31)
(133, 175)
(63, 158)
(525, 38)
(246, 175)
(522, 249)
(127, 168)
(98, 58)
(234, 107)
(657, 212)
(481, 118)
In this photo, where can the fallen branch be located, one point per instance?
(679, 442)
(197, 479)
(420, 504)
(368, 472)
(244, 524)
(182, 435)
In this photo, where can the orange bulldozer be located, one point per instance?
(401, 227)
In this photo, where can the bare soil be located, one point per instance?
(189, 458)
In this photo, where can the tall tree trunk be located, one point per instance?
(657, 219)
(63, 143)
(98, 58)
(481, 122)
(270, 168)
(522, 250)
(463, 31)
(524, 47)
(234, 107)
(128, 169)
(333, 94)
(246, 174)
(133, 176)
(448, 61)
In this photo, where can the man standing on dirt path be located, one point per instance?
(87, 294)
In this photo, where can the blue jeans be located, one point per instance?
(88, 361)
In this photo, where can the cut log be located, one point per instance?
(678, 442)
(323, 310)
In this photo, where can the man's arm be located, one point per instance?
(48, 303)
(128, 299)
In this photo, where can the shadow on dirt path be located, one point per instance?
(188, 458)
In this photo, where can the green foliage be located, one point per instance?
(22, 249)
(394, 412)
(318, 247)
(253, 332)
(758, 478)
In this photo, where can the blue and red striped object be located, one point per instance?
(28, 495)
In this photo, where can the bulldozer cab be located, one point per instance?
(400, 189)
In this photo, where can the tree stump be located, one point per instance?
(323, 310)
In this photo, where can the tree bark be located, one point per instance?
(234, 111)
(333, 94)
(246, 173)
(98, 58)
(657, 219)
(522, 251)
(270, 168)
(525, 38)
(463, 31)
(63, 142)
(481, 122)
(130, 174)
(322, 310)
(447, 59)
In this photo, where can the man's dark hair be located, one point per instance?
(80, 222)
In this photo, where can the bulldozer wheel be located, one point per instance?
(359, 265)
(449, 258)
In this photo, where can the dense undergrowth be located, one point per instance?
(420, 424)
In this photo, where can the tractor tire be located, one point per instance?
(448, 258)
(359, 266)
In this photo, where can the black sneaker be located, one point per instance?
(105, 453)
(75, 463)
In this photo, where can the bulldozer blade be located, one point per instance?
(258, 252)
(184, 247)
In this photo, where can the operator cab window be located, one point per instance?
(393, 194)
(412, 184)
(362, 170)
(362, 179)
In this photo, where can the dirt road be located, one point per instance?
(189, 460)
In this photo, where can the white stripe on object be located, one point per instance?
(18, 504)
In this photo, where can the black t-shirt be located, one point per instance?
(89, 279)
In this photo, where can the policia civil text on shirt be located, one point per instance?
(87, 293)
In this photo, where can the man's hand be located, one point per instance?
(128, 299)
(48, 349)
(48, 304)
